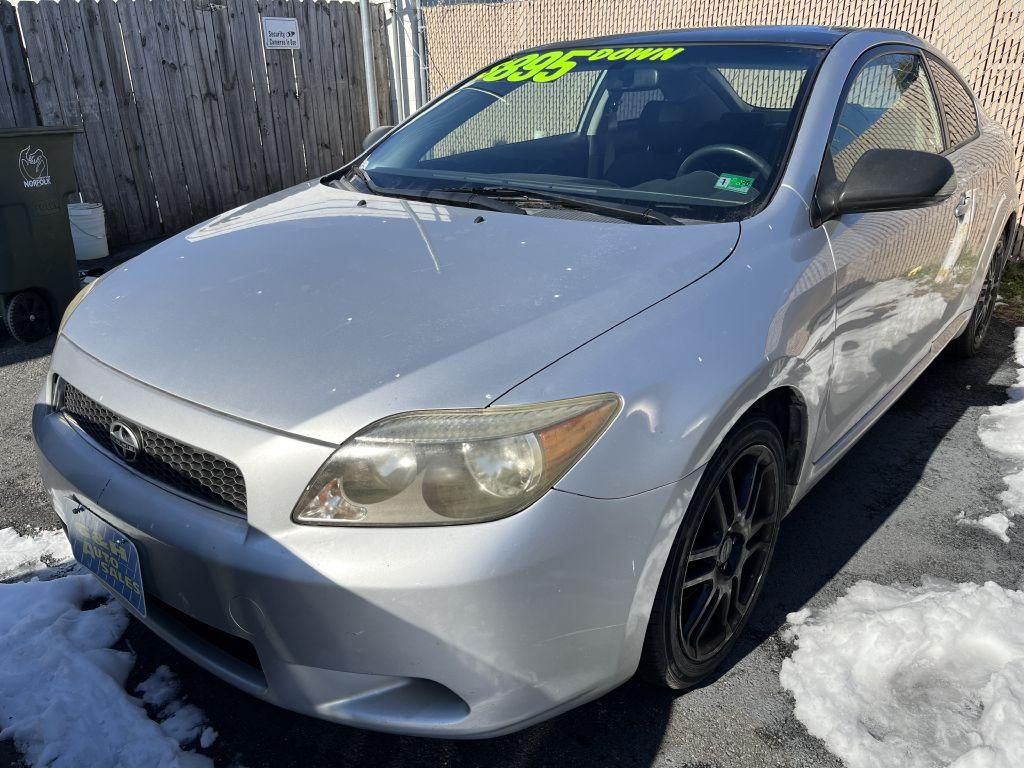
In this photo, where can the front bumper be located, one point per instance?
(461, 631)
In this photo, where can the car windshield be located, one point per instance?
(696, 132)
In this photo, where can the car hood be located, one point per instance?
(316, 311)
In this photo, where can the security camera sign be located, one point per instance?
(280, 32)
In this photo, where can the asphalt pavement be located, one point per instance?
(886, 513)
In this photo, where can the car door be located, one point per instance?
(975, 184)
(888, 304)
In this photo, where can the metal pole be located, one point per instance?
(400, 89)
(371, 77)
(423, 88)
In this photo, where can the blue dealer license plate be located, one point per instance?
(107, 552)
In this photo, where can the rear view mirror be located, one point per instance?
(375, 135)
(888, 180)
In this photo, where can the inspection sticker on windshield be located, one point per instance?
(548, 66)
(734, 183)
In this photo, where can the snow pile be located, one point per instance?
(22, 554)
(62, 697)
(182, 722)
(1002, 431)
(909, 677)
(997, 524)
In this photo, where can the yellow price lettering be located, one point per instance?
(548, 66)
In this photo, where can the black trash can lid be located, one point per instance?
(39, 130)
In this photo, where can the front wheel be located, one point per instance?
(968, 343)
(717, 566)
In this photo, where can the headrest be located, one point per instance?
(661, 124)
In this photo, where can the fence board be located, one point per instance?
(175, 82)
(16, 104)
(101, 144)
(53, 86)
(120, 82)
(277, 64)
(343, 79)
(157, 124)
(305, 83)
(291, 98)
(224, 158)
(205, 199)
(86, 18)
(356, 77)
(242, 67)
(234, 104)
(382, 63)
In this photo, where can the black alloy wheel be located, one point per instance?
(969, 342)
(989, 293)
(27, 316)
(716, 570)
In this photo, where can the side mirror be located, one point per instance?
(375, 135)
(888, 180)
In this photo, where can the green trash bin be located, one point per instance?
(38, 271)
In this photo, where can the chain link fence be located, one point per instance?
(984, 39)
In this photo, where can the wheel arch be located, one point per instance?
(786, 407)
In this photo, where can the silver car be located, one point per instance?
(464, 434)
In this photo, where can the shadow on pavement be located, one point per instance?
(12, 352)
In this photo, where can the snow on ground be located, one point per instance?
(21, 554)
(916, 677)
(913, 677)
(182, 722)
(997, 523)
(1002, 431)
(62, 696)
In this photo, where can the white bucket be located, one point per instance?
(88, 231)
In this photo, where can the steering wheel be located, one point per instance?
(726, 149)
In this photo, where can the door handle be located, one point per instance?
(961, 207)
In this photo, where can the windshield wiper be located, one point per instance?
(617, 210)
(469, 198)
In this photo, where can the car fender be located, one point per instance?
(688, 367)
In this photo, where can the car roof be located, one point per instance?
(795, 35)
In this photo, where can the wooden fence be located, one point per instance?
(185, 114)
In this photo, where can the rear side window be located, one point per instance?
(765, 88)
(957, 105)
(889, 105)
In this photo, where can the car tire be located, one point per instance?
(27, 316)
(716, 570)
(970, 341)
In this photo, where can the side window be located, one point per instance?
(889, 106)
(957, 105)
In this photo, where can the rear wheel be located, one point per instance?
(968, 343)
(716, 570)
(27, 316)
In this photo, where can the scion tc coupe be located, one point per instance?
(467, 432)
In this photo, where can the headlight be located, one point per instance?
(79, 297)
(453, 466)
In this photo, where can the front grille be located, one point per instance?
(175, 464)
